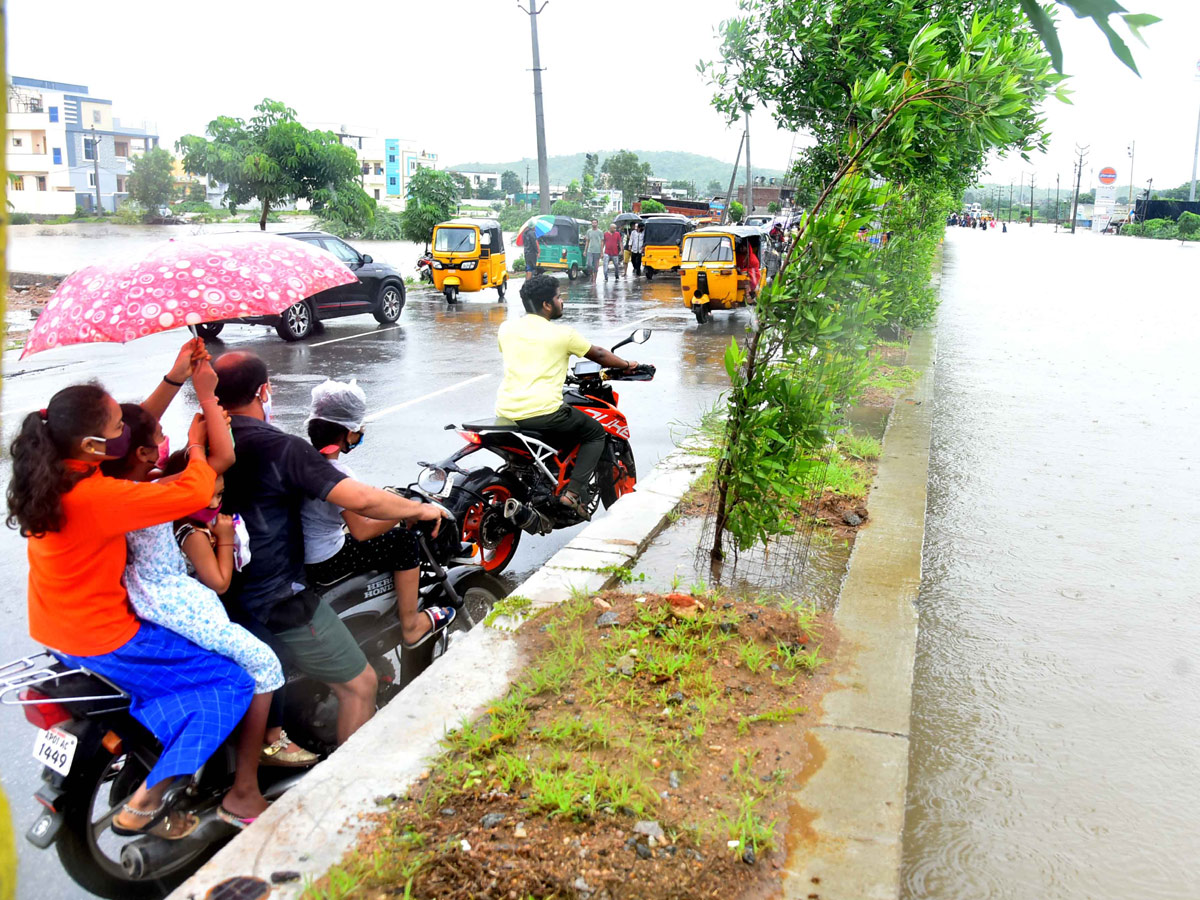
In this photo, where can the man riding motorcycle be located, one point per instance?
(536, 355)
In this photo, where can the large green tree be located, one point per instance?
(510, 182)
(432, 198)
(627, 175)
(152, 181)
(273, 159)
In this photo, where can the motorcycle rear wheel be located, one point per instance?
(105, 783)
(483, 523)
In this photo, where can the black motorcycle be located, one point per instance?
(95, 754)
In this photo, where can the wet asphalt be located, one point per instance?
(438, 365)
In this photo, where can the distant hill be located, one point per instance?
(669, 164)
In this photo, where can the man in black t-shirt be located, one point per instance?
(274, 473)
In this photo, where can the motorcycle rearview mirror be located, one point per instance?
(640, 336)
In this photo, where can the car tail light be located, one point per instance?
(41, 711)
(471, 437)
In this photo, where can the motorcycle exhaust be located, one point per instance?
(150, 857)
(526, 517)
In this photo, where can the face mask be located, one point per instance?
(349, 446)
(208, 515)
(117, 447)
(164, 450)
(266, 405)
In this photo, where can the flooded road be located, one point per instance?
(438, 365)
(1056, 713)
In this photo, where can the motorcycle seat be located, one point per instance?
(497, 424)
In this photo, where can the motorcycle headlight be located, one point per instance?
(433, 480)
(438, 265)
(469, 264)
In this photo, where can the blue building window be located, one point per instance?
(392, 181)
(57, 156)
(54, 114)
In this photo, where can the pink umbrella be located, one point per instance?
(185, 281)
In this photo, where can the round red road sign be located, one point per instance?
(1108, 175)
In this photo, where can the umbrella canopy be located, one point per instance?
(541, 225)
(627, 217)
(185, 281)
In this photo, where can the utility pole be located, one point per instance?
(1057, 176)
(1146, 200)
(1010, 189)
(96, 170)
(1081, 153)
(749, 180)
(527, 204)
(1132, 147)
(1195, 156)
(543, 166)
(1032, 182)
(732, 180)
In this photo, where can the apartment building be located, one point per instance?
(67, 149)
(387, 164)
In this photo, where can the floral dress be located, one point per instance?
(162, 592)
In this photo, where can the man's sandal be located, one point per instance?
(162, 823)
(571, 501)
(277, 754)
(440, 618)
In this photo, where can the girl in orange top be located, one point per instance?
(75, 519)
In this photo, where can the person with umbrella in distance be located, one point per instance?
(529, 243)
(75, 520)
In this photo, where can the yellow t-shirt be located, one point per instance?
(535, 365)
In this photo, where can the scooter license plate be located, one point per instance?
(55, 749)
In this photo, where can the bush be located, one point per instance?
(518, 264)
(1187, 226)
(652, 206)
(737, 211)
(19, 219)
(513, 217)
(129, 213)
(1160, 229)
(568, 208)
(387, 226)
(1133, 229)
(195, 206)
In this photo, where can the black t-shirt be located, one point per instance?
(273, 475)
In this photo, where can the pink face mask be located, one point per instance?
(164, 450)
(208, 515)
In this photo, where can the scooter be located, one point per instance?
(425, 267)
(494, 506)
(95, 754)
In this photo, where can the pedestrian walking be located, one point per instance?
(593, 247)
(637, 240)
(612, 250)
(532, 248)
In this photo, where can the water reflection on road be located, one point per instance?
(1057, 697)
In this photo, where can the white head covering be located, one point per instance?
(341, 402)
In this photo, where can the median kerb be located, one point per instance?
(311, 827)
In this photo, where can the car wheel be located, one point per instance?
(296, 322)
(209, 330)
(573, 272)
(390, 305)
(648, 272)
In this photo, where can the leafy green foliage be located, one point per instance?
(432, 199)
(510, 182)
(1187, 226)
(273, 158)
(566, 207)
(152, 181)
(1099, 11)
(513, 217)
(627, 175)
(737, 211)
(652, 206)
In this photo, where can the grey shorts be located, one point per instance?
(324, 649)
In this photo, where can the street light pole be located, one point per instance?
(1132, 150)
(1195, 156)
(543, 165)
(1032, 182)
(96, 171)
(1056, 201)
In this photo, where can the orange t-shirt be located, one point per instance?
(77, 599)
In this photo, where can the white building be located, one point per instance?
(65, 148)
(482, 179)
(387, 165)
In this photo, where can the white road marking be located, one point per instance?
(351, 337)
(407, 403)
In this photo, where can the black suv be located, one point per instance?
(379, 291)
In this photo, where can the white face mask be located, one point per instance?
(266, 406)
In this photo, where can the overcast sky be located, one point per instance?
(454, 76)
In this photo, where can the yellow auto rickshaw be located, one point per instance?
(468, 255)
(663, 240)
(721, 268)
